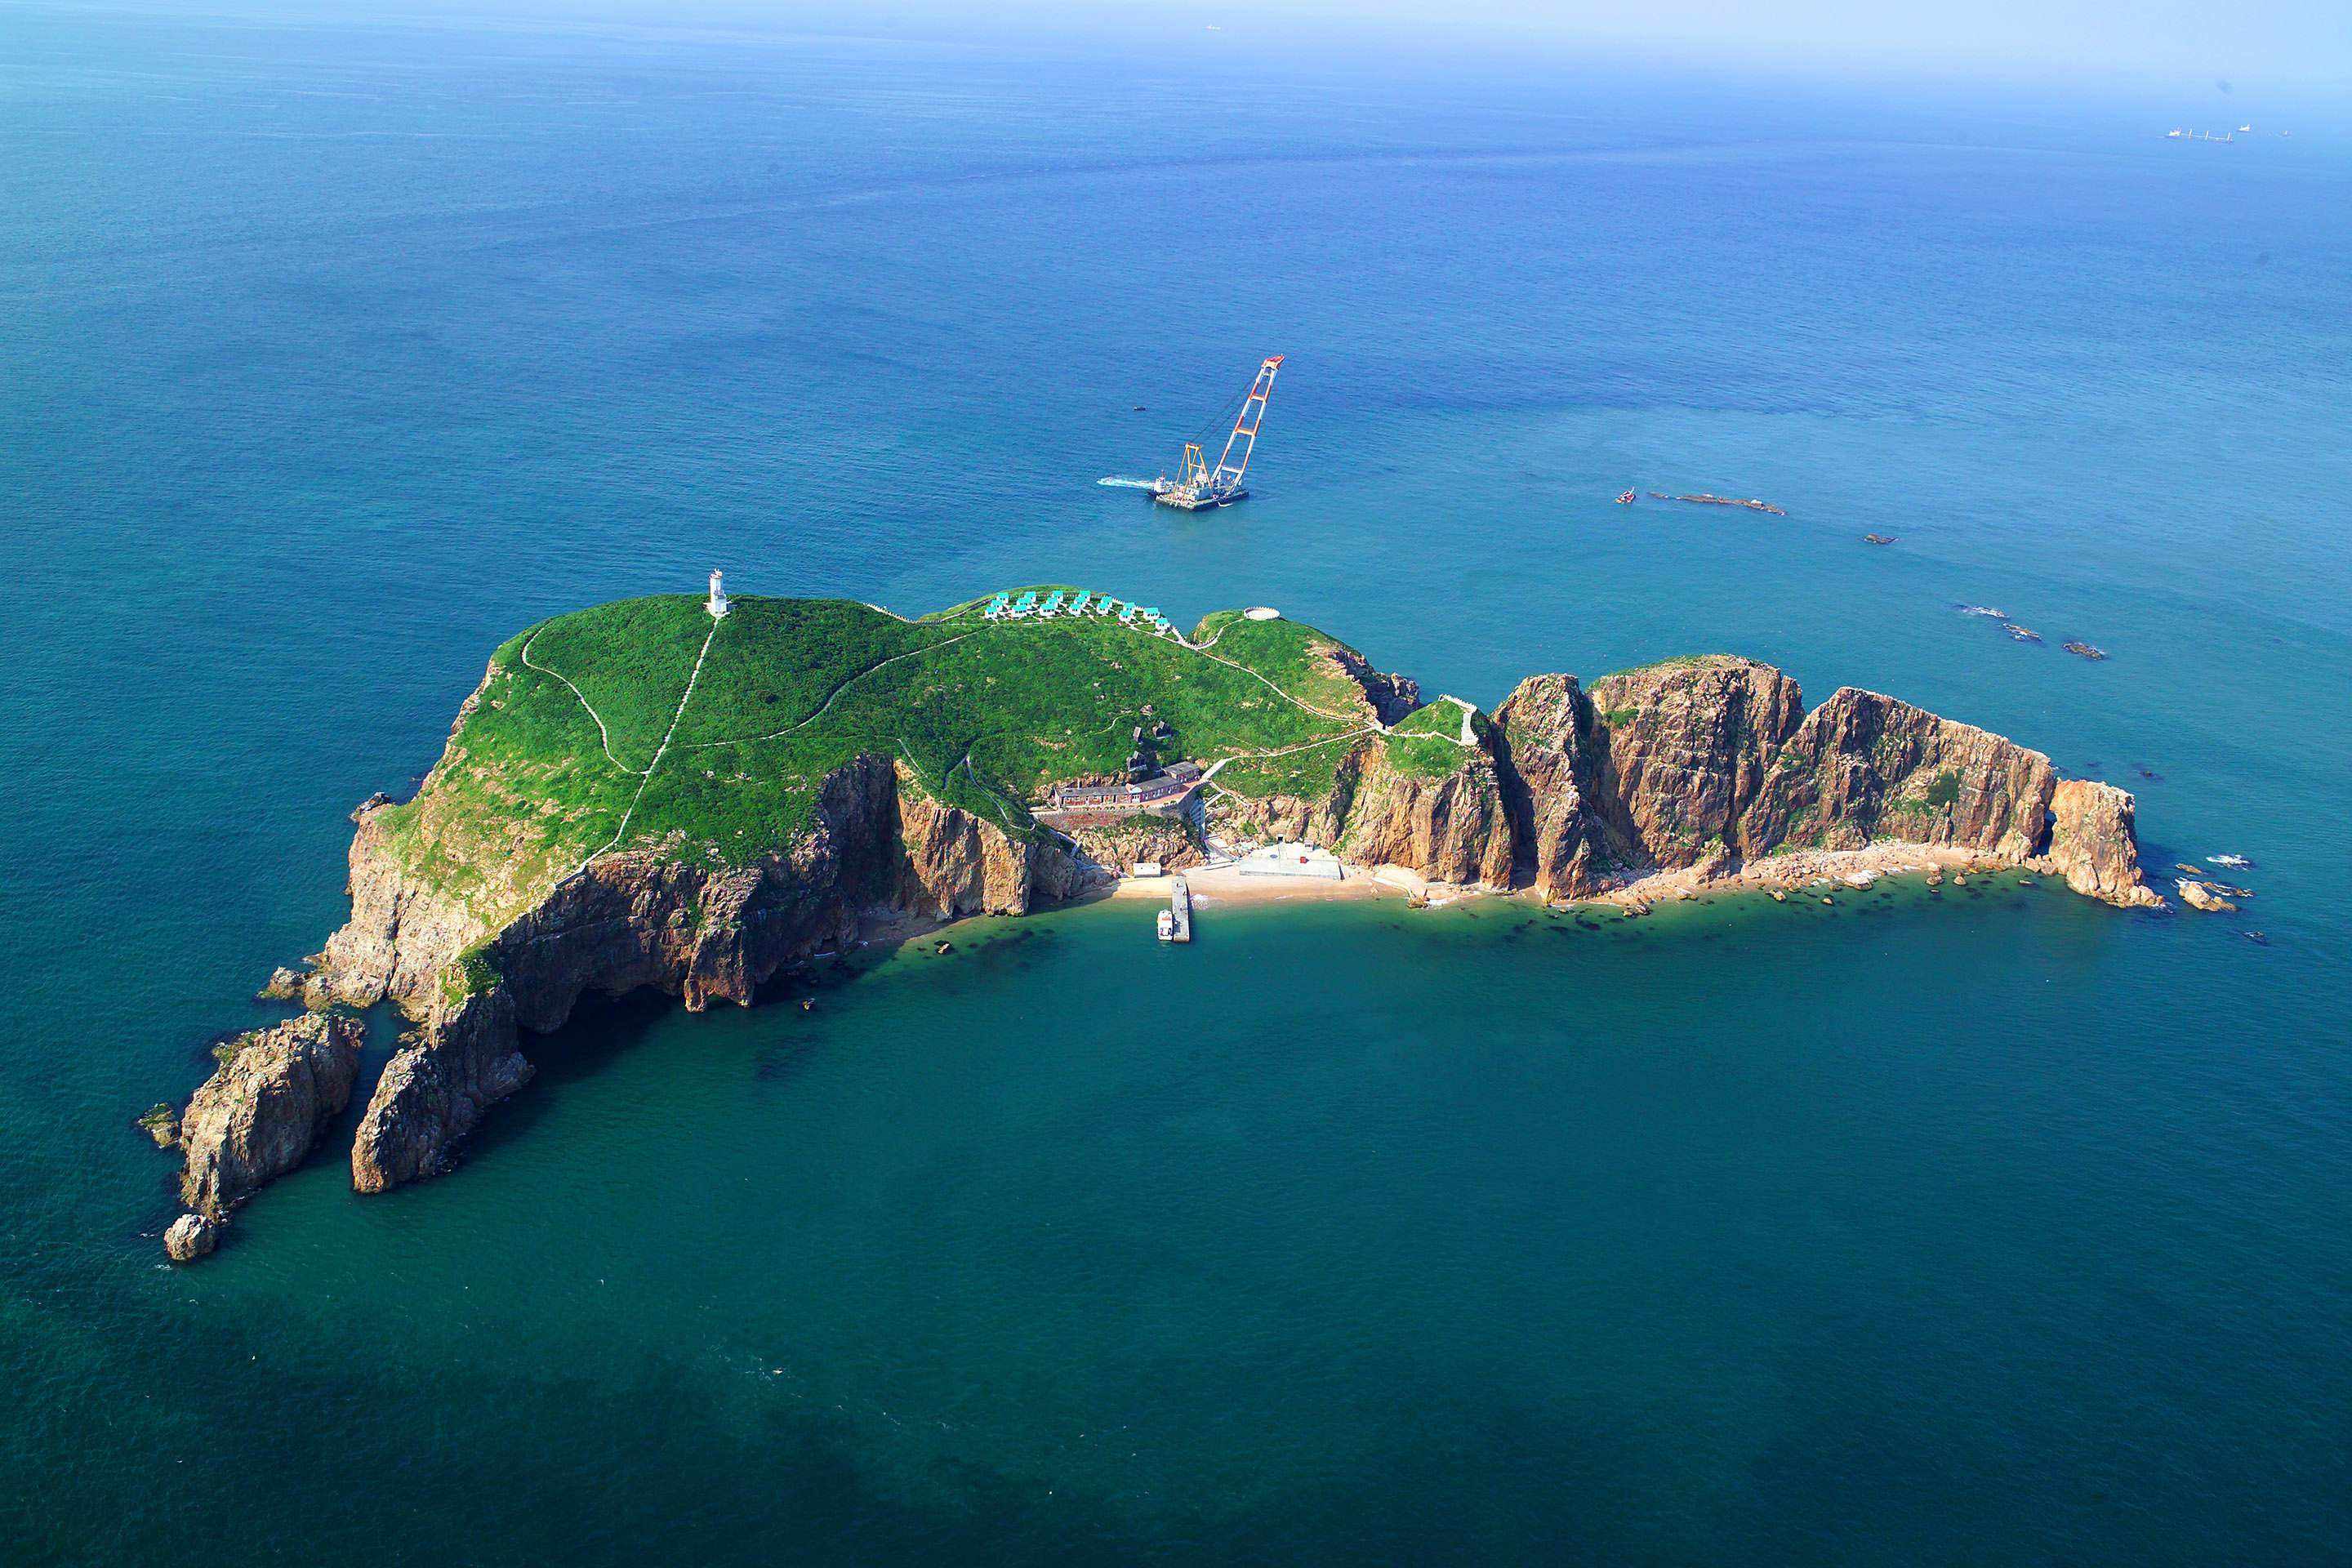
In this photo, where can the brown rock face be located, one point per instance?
(1283, 816)
(953, 863)
(2094, 846)
(1685, 753)
(642, 920)
(1553, 753)
(1864, 766)
(191, 1237)
(258, 1114)
(1451, 829)
(435, 1090)
(401, 932)
(1388, 698)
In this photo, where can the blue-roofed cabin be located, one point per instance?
(1052, 606)
(1028, 603)
(1126, 612)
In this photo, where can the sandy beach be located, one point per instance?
(1823, 871)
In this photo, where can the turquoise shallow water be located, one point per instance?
(1976, 1228)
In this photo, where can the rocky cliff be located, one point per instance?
(642, 920)
(1863, 767)
(2093, 845)
(1553, 751)
(257, 1115)
(1686, 747)
(464, 917)
(1710, 763)
(1450, 827)
(436, 1086)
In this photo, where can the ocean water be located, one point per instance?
(1983, 1228)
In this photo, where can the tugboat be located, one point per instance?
(1625, 499)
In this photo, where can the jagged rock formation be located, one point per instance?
(2094, 846)
(1389, 697)
(435, 1088)
(1686, 747)
(189, 1237)
(1553, 751)
(1451, 829)
(953, 863)
(1864, 766)
(403, 930)
(257, 1115)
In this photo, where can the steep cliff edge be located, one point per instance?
(1686, 745)
(1434, 808)
(1713, 763)
(437, 1087)
(1863, 767)
(2094, 846)
(1553, 749)
(640, 921)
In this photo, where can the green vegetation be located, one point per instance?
(1291, 654)
(1944, 789)
(1309, 774)
(473, 974)
(1422, 757)
(1436, 719)
(986, 715)
(1618, 718)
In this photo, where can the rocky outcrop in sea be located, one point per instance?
(258, 1116)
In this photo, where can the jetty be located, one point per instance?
(1176, 924)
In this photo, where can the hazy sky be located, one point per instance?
(2198, 43)
(2297, 40)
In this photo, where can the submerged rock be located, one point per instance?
(2202, 896)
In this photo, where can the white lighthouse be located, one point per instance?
(717, 606)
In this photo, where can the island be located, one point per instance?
(694, 795)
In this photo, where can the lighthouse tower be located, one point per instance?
(718, 605)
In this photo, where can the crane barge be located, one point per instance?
(1199, 486)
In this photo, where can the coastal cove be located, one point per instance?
(1981, 1226)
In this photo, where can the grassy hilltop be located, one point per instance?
(586, 737)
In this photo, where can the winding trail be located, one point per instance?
(832, 696)
(605, 734)
(1359, 726)
(647, 776)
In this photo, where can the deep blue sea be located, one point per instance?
(1980, 1229)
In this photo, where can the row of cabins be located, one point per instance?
(1004, 608)
(1173, 785)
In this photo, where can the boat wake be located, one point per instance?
(1120, 484)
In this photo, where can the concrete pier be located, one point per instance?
(1180, 905)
